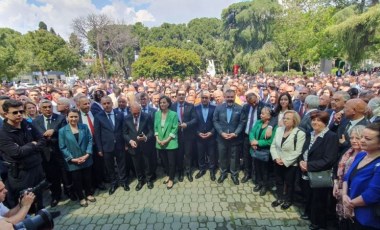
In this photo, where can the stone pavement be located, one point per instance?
(201, 204)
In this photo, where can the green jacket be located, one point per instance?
(254, 135)
(170, 129)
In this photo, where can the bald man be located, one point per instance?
(354, 111)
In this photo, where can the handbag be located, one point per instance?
(322, 179)
(261, 154)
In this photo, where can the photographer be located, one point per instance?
(17, 213)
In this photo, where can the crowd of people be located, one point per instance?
(98, 131)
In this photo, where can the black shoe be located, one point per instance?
(263, 191)
(286, 205)
(200, 174)
(235, 180)
(112, 189)
(257, 188)
(180, 177)
(189, 177)
(245, 178)
(304, 216)
(101, 187)
(212, 176)
(150, 184)
(139, 186)
(54, 202)
(222, 178)
(276, 203)
(126, 187)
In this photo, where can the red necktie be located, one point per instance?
(90, 124)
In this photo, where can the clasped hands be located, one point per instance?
(82, 159)
(205, 135)
(228, 136)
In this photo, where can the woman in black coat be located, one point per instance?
(320, 154)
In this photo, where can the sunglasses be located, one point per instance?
(18, 112)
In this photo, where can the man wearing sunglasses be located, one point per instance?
(21, 146)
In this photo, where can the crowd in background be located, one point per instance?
(98, 131)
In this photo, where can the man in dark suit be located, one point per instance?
(96, 107)
(251, 111)
(122, 105)
(145, 108)
(49, 123)
(354, 111)
(138, 134)
(206, 136)
(299, 103)
(110, 143)
(187, 120)
(229, 124)
(86, 117)
(337, 117)
(311, 104)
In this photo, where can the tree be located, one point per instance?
(76, 44)
(166, 63)
(121, 45)
(41, 50)
(358, 34)
(93, 28)
(8, 48)
(52, 31)
(42, 26)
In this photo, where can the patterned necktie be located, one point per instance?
(91, 126)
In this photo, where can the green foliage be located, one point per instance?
(166, 63)
(358, 35)
(42, 26)
(8, 48)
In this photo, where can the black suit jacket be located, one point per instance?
(151, 111)
(342, 130)
(145, 126)
(323, 154)
(205, 126)
(189, 117)
(107, 137)
(57, 122)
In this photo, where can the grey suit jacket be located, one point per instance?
(236, 124)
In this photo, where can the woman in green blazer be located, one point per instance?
(75, 143)
(165, 131)
(259, 142)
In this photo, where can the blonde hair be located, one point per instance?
(296, 117)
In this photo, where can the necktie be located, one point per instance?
(250, 120)
(110, 118)
(91, 126)
(348, 127)
(48, 126)
(136, 124)
(301, 110)
(123, 110)
(181, 111)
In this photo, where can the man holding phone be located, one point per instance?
(138, 135)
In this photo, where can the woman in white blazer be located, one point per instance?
(285, 150)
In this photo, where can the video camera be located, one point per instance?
(37, 189)
(42, 220)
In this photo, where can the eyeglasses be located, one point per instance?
(309, 86)
(150, 92)
(18, 112)
(180, 94)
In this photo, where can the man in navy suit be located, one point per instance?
(139, 136)
(251, 111)
(206, 136)
(186, 134)
(110, 143)
(299, 104)
(229, 124)
(145, 108)
(122, 105)
(96, 107)
(49, 123)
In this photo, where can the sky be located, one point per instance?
(24, 15)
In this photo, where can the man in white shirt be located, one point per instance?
(17, 213)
